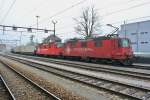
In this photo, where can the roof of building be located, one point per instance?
(51, 38)
(136, 22)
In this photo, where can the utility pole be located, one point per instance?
(37, 22)
(125, 31)
(20, 37)
(54, 22)
(137, 32)
(3, 30)
(1, 41)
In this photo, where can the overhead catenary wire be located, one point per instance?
(35, 8)
(9, 9)
(124, 9)
(66, 9)
(30, 12)
(2, 4)
(135, 6)
(59, 14)
(62, 11)
(77, 4)
(64, 27)
(80, 3)
(120, 3)
(120, 10)
(103, 25)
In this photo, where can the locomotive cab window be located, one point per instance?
(83, 44)
(124, 43)
(59, 45)
(49, 45)
(98, 43)
(44, 46)
(73, 44)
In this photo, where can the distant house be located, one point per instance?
(52, 38)
(139, 34)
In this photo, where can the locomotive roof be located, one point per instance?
(102, 38)
(96, 38)
(73, 40)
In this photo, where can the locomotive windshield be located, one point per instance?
(59, 45)
(124, 43)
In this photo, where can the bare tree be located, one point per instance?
(88, 23)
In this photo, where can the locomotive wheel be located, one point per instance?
(127, 62)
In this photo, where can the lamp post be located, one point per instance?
(125, 32)
(37, 22)
(20, 37)
(54, 22)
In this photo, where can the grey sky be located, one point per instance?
(23, 13)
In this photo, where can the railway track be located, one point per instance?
(5, 92)
(46, 94)
(134, 66)
(141, 75)
(116, 87)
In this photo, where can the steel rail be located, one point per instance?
(6, 86)
(80, 76)
(102, 69)
(140, 75)
(32, 82)
(132, 66)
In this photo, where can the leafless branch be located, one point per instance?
(88, 22)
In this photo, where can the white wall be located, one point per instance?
(139, 34)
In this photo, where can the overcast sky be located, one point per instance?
(24, 12)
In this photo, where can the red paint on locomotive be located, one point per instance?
(51, 49)
(109, 48)
(117, 49)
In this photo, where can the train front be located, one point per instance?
(125, 52)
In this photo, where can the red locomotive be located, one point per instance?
(50, 49)
(108, 48)
(51, 46)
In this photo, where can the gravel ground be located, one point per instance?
(76, 88)
(21, 89)
(4, 95)
(52, 87)
(129, 68)
(109, 76)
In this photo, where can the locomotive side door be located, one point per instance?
(115, 46)
(67, 49)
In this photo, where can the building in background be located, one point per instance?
(139, 34)
(51, 38)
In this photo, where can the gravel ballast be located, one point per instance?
(122, 79)
(50, 86)
(51, 82)
(21, 89)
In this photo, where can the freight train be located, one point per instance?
(104, 48)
